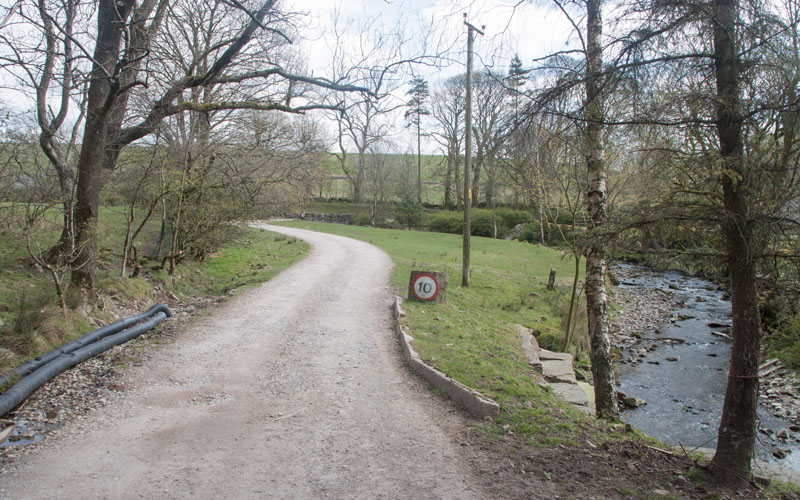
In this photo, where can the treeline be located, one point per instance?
(197, 190)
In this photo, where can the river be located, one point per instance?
(683, 378)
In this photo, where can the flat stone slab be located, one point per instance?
(544, 355)
(559, 370)
(570, 393)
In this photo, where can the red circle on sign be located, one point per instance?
(425, 287)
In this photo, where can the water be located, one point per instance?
(26, 432)
(685, 390)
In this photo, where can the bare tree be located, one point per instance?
(122, 53)
(490, 128)
(447, 109)
(363, 124)
(379, 61)
(595, 288)
(380, 173)
(363, 120)
(42, 39)
(569, 75)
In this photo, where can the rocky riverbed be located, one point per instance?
(648, 330)
(638, 311)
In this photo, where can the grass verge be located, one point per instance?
(31, 322)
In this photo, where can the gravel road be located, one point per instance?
(292, 390)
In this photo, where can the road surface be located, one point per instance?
(294, 390)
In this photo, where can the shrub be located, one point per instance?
(532, 233)
(482, 224)
(481, 221)
(447, 222)
(512, 218)
(564, 217)
(409, 213)
(362, 220)
(784, 342)
(550, 341)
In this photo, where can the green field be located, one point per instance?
(402, 175)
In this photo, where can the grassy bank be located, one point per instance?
(32, 322)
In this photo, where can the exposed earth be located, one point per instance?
(296, 390)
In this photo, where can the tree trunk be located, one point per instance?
(570, 321)
(459, 194)
(361, 178)
(489, 196)
(162, 233)
(64, 245)
(126, 247)
(596, 308)
(736, 438)
(419, 158)
(111, 20)
(542, 222)
(476, 186)
(448, 193)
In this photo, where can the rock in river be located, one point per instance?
(632, 402)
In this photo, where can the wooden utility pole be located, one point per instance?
(471, 30)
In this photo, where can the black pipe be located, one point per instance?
(33, 364)
(22, 389)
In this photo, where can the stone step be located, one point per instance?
(570, 393)
(588, 389)
(768, 368)
(544, 354)
(558, 370)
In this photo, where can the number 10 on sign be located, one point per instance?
(425, 287)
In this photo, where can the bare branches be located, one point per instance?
(254, 17)
(317, 82)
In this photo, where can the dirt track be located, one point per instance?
(292, 390)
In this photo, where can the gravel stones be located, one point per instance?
(640, 311)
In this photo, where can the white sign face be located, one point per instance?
(425, 287)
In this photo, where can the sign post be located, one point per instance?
(427, 286)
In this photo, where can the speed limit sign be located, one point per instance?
(425, 287)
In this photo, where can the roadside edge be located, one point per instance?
(473, 401)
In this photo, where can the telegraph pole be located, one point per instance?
(471, 30)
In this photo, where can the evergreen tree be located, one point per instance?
(517, 78)
(417, 108)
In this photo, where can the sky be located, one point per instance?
(510, 27)
(527, 28)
